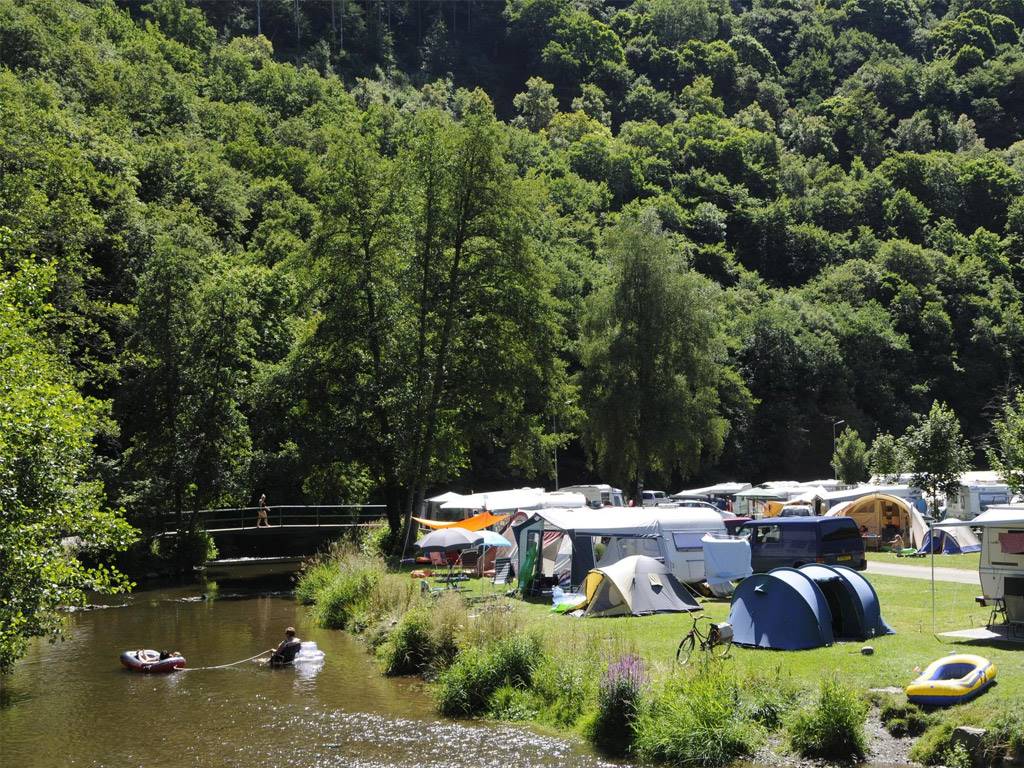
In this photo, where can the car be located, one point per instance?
(794, 541)
(652, 498)
(796, 510)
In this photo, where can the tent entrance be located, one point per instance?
(845, 625)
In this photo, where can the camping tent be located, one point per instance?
(673, 533)
(884, 515)
(794, 609)
(635, 586)
(950, 541)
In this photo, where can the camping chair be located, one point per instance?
(502, 570)
(470, 558)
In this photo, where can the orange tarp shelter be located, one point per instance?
(475, 523)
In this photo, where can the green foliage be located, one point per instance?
(695, 720)
(409, 648)
(185, 549)
(343, 586)
(885, 459)
(902, 718)
(932, 747)
(612, 726)
(466, 687)
(832, 727)
(655, 367)
(850, 460)
(1006, 454)
(53, 512)
(936, 453)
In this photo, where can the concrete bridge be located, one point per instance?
(293, 531)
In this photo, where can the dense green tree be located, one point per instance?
(886, 460)
(850, 460)
(654, 359)
(53, 511)
(936, 454)
(1006, 451)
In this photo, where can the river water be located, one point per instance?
(71, 703)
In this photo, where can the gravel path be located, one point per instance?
(924, 572)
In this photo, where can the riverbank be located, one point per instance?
(491, 656)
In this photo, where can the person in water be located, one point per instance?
(287, 649)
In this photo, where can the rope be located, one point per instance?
(223, 666)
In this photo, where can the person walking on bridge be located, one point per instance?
(263, 516)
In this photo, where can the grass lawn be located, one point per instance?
(906, 607)
(967, 562)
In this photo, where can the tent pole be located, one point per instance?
(931, 534)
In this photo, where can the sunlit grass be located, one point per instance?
(906, 607)
(968, 562)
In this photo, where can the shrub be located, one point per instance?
(901, 718)
(186, 549)
(448, 620)
(377, 541)
(933, 745)
(767, 699)
(611, 729)
(831, 728)
(695, 720)
(1006, 733)
(316, 574)
(562, 683)
(409, 649)
(510, 703)
(465, 688)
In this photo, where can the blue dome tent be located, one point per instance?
(795, 609)
(950, 541)
(781, 609)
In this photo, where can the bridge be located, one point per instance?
(293, 531)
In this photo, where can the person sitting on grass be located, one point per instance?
(897, 544)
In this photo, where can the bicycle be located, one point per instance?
(715, 640)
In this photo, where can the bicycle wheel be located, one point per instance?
(721, 650)
(685, 649)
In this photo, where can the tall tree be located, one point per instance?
(435, 300)
(654, 358)
(936, 454)
(885, 458)
(46, 493)
(850, 460)
(191, 353)
(1006, 452)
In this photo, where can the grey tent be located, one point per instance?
(635, 585)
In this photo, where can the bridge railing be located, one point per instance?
(317, 515)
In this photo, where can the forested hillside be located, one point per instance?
(679, 237)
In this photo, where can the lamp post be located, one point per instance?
(834, 425)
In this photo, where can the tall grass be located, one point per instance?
(832, 727)
(695, 720)
(341, 586)
(465, 688)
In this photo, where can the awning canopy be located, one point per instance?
(993, 517)
(518, 498)
(721, 489)
(628, 521)
(475, 523)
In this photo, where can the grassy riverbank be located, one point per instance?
(489, 655)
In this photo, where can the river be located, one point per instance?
(71, 703)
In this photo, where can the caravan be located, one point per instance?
(598, 495)
(978, 491)
(558, 545)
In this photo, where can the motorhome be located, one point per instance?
(598, 495)
(559, 544)
(978, 492)
(1001, 569)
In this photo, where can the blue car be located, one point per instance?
(794, 541)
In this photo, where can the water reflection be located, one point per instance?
(71, 703)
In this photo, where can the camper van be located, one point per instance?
(975, 497)
(671, 534)
(599, 495)
(795, 541)
(653, 498)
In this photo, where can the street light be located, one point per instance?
(834, 425)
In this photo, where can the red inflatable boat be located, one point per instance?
(150, 661)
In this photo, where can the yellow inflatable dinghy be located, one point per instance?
(951, 680)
